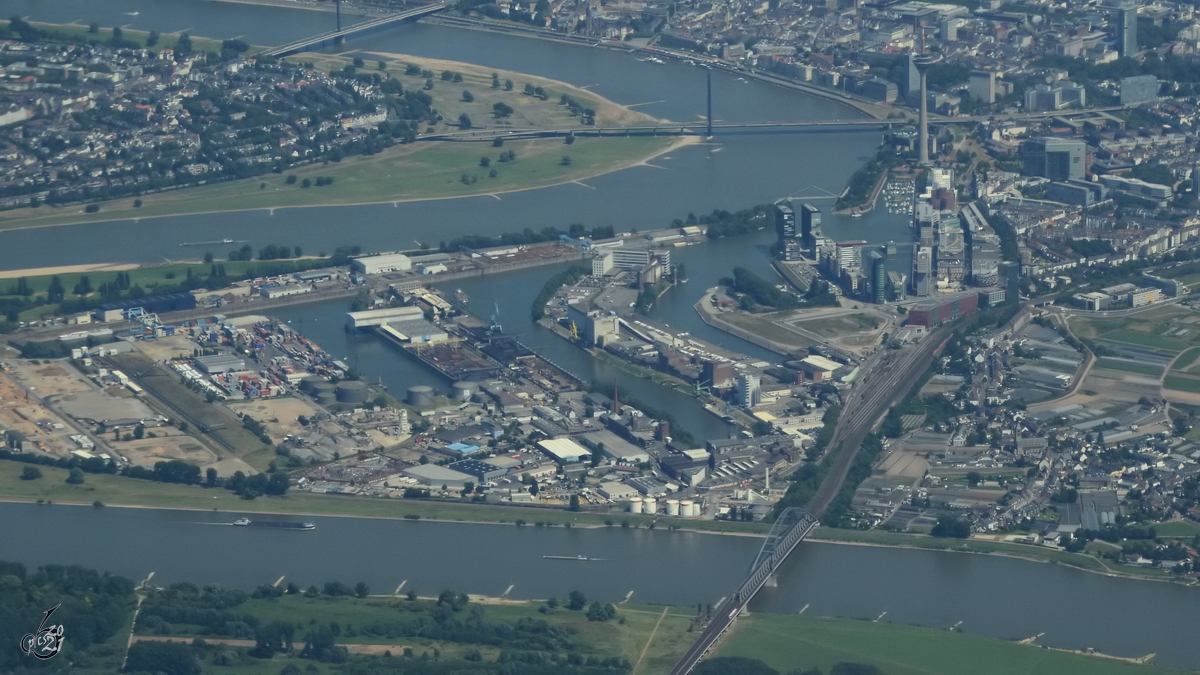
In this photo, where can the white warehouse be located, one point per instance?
(382, 264)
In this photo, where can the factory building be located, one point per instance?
(614, 447)
(382, 264)
(595, 328)
(158, 304)
(379, 317)
(438, 477)
(563, 450)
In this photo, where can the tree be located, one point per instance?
(184, 46)
(208, 256)
(55, 292)
(495, 81)
(569, 139)
(464, 121)
(576, 601)
(566, 161)
(508, 85)
(210, 477)
(485, 162)
(952, 528)
(139, 432)
(974, 478)
(152, 38)
(93, 27)
(117, 34)
(76, 476)
(574, 503)
(31, 473)
(428, 83)
(468, 97)
(361, 589)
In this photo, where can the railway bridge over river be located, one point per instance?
(792, 525)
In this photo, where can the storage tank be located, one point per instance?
(672, 507)
(326, 398)
(352, 391)
(687, 508)
(650, 505)
(321, 386)
(306, 383)
(463, 391)
(635, 505)
(420, 395)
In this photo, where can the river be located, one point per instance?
(999, 597)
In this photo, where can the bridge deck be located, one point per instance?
(308, 42)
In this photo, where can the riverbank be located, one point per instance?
(119, 492)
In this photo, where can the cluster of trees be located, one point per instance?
(569, 276)
(1089, 247)
(526, 237)
(722, 223)
(759, 290)
(588, 115)
(93, 609)
(952, 527)
(862, 183)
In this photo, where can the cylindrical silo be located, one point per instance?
(635, 505)
(650, 505)
(421, 395)
(306, 383)
(687, 508)
(352, 391)
(672, 507)
(326, 398)
(463, 391)
(320, 386)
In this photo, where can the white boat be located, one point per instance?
(242, 521)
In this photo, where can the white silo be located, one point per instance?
(672, 507)
(650, 505)
(687, 508)
(635, 505)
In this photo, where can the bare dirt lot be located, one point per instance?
(279, 415)
(147, 451)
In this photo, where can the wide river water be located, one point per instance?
(1000, 597)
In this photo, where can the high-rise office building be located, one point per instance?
(1126, 28)
(912, 78)
(1054, 158)
(810, 225)
(982, 86)
(1010, 275)
(878, 277)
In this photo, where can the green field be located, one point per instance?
(1113, 364)
(404, 173)
(1179, 528)
(1182, 384)
(627, 637)
(1146, 330)
(1186, 358)
(789, 643)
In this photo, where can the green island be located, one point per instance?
(421, 170)
(316, 626)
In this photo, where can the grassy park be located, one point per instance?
(788, 643)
